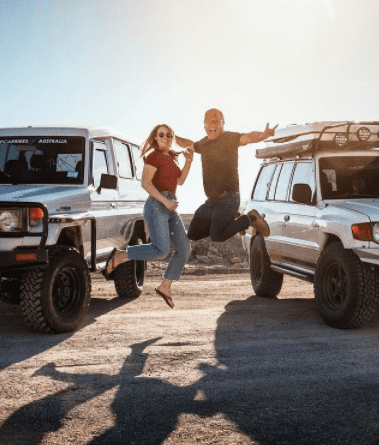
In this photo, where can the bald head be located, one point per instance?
(214, 113)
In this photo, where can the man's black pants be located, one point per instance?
(217, 219)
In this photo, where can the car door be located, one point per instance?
(132, 196)
(300, 233)
(104, 201)
(275, 208)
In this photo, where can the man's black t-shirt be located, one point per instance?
(219, 159)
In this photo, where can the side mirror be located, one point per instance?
(107, 182)
(302, 193)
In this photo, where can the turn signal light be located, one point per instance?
(26, 257)
(36, 214)
(362, 232)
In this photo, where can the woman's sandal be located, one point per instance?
(166, 298)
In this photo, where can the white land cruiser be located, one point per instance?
(68, 196)
(318, 189)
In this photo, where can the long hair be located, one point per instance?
(151, 143)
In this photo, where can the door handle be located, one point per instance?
(113, 205)
(287, 218)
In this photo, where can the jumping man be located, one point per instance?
(217, 217)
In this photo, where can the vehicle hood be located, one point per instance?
(56, 198)
(368, 207)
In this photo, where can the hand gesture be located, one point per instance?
(269, 131)
(171, 204)
(188, 154)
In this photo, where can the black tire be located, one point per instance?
(10, 288)
(346, 289)
(265, 282)
(56, 298)
(129, 276)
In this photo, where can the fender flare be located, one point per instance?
(135, 225)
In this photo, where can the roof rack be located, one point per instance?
(295, 140)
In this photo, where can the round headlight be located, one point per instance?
(375, 232)
(9, 220)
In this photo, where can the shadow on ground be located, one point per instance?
(283, 377)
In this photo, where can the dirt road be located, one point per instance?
(224, 367)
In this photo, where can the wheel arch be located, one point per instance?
(331, 238)
(71, 236)
(135, 227)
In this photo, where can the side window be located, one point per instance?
(304, 174)
(271, 193)
(123, 159)
(283, 181)
(264, 178)
(138, 161)
(99, 161)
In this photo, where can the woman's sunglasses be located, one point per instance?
(168, 135)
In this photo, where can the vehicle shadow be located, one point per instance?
(284, 377)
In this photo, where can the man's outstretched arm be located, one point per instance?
(182, 142)
(257, 136)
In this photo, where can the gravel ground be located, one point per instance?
(223, 367)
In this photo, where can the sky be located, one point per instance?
(131, 64)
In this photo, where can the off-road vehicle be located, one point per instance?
(68, 196)
(318, 190)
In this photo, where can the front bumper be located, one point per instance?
(22, 259)
(368, 256)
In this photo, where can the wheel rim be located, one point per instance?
(258, 266)
(335, 286)
(66, 291)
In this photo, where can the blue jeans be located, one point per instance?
(217, 219)
(166, 228)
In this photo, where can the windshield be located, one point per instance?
(41, 160)
(349, 177)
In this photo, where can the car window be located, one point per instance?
(100, 165)
(264, 178)
(304, 174)
(138, 161)
(271, 193)
(41, 160)
(123, 159)
(349, 176)
(283, 181)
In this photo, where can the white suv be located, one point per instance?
(68, 196)
(318, 190)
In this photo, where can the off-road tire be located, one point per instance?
(265, 281)
(346, 289)
(10, 289)
(129, 276)
(56, 298)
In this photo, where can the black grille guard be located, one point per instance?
(45, 225)
(24, 230)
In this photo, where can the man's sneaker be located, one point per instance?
(258, 223)
(241, 232)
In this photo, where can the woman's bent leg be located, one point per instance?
(182, 248)
(156, 217)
